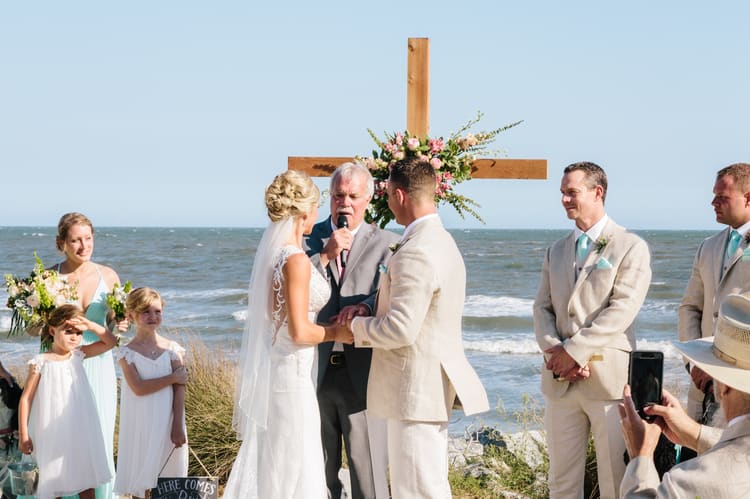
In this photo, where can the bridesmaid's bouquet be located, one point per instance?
(32, 299)
(116, 300)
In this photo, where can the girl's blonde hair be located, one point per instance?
(58, 317)
(291, 194)
(141, 298)
(66, 222)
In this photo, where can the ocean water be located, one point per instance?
(203, 275)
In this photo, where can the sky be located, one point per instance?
(179, 113)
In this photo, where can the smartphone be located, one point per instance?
(645, 378)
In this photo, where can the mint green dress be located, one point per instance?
(100, 371)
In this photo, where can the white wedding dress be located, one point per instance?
(285, 459)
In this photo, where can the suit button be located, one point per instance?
(571, 314)
(716, 314)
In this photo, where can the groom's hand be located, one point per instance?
(349, 312)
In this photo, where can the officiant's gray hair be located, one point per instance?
(346, 170)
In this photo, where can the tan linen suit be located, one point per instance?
(723, 471)
(705, 290)
(418, 361)
(593, 317)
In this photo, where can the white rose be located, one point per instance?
(33, 300)
(59, 300)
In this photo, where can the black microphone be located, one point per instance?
(341, 222)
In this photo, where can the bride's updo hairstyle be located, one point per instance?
(291, 194)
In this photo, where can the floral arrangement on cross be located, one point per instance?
(451, 158)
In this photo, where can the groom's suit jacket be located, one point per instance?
(418, 361)
(593, 315)
(707, 287)
(358, 284)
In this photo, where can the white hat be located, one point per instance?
(725, 356)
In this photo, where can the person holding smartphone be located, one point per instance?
(722, 468)
(593, 283)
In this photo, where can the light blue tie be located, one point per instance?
(582, 248)
(733, 244)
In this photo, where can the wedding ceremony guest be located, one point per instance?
(75, 240)
(276, 411)
(418, 368)
(722, 468)
(350, 255)
(593, 283)
(152, 435)
(719, 269)
(57, 416)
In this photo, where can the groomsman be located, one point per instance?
(350, 253)
(419, 368)
(720, 268)
(593, 283)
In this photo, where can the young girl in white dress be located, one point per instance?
(276, 411)
(57, 400)
(152, 439)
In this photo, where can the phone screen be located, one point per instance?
(645, 378)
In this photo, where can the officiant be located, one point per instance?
(350, 253)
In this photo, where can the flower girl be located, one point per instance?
(58, 421)
(152, 402)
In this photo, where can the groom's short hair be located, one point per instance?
(594, 175)
(740, 173)
(416, 176)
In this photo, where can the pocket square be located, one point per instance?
(746, 254)
(602, 263)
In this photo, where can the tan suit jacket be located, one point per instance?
(721, 472)
(704, 293)
(593, 316)
(707, 287)
(418, 361)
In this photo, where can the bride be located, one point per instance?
(275, 408)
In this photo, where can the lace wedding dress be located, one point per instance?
(285, 459)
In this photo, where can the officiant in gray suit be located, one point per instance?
(350, 253)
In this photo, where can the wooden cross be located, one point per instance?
(418, 123)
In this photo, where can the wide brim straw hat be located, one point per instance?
(725, 356)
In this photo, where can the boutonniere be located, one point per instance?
(394, 247)
(601, 243)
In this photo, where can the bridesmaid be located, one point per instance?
(75, 239)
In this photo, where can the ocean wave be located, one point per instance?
(201, 294)
(240, 315)
(508, 346)
(497, 306)
(516, 346)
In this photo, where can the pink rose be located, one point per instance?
(398, 155)
(412, 143)
(436, 163)
(33, 300)
(436, 145)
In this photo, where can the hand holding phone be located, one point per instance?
(645, 379)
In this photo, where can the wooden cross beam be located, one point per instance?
(418, 123)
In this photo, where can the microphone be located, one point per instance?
(341, 222)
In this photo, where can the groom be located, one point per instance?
(418, 369)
